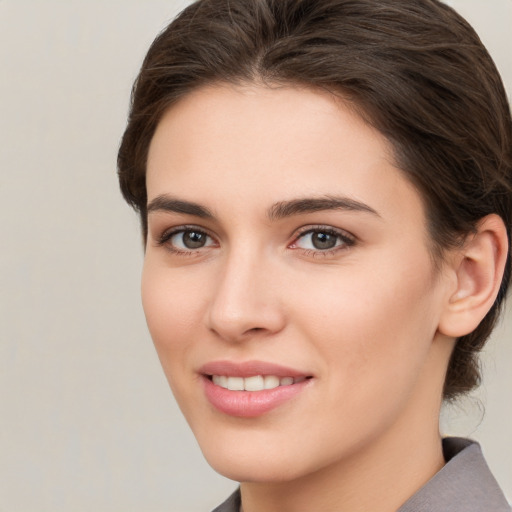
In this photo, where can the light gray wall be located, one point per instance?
(86, 418)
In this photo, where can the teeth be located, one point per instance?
(271, 381)
(255, 383)
(235, 383)
(220, 380)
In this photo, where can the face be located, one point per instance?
(287, 283)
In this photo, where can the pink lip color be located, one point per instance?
(249, 404)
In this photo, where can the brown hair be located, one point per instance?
(414, 69)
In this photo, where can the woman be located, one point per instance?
(325, 197)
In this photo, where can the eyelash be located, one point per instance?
(347, 240)
(164, 240)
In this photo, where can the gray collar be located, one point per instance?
(464, 484)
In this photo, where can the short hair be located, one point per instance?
(413, 69)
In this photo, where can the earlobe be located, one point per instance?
(478, 267)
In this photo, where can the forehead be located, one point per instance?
(235, 143)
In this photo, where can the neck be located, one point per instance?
(382, 477)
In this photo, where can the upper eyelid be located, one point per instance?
(319, 228)
(186, 227)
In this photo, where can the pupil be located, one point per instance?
(323, 241)
(193, 240)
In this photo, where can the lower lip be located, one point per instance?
(249, 404)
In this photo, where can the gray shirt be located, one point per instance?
(464, 484)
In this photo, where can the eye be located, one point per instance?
(323, 239)
(185, 240)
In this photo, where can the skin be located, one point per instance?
(369, 319)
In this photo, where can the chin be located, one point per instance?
(246, 463)
(261, 457)
(257, 470)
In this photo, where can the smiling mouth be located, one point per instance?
(254, 383)
(253, 388)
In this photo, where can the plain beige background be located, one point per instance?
(87, 421)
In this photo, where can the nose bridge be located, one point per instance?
(244, 300)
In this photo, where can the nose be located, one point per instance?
(246, 300)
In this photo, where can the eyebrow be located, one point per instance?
(277, 211)
(316, 204)
(170, 204)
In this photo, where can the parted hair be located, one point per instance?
(413, 69)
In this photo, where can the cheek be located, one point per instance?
(375, 324)
(172, 309)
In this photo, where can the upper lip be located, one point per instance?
(249, 369)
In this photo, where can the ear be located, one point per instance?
(478, 268)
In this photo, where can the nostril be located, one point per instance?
(239, 320)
